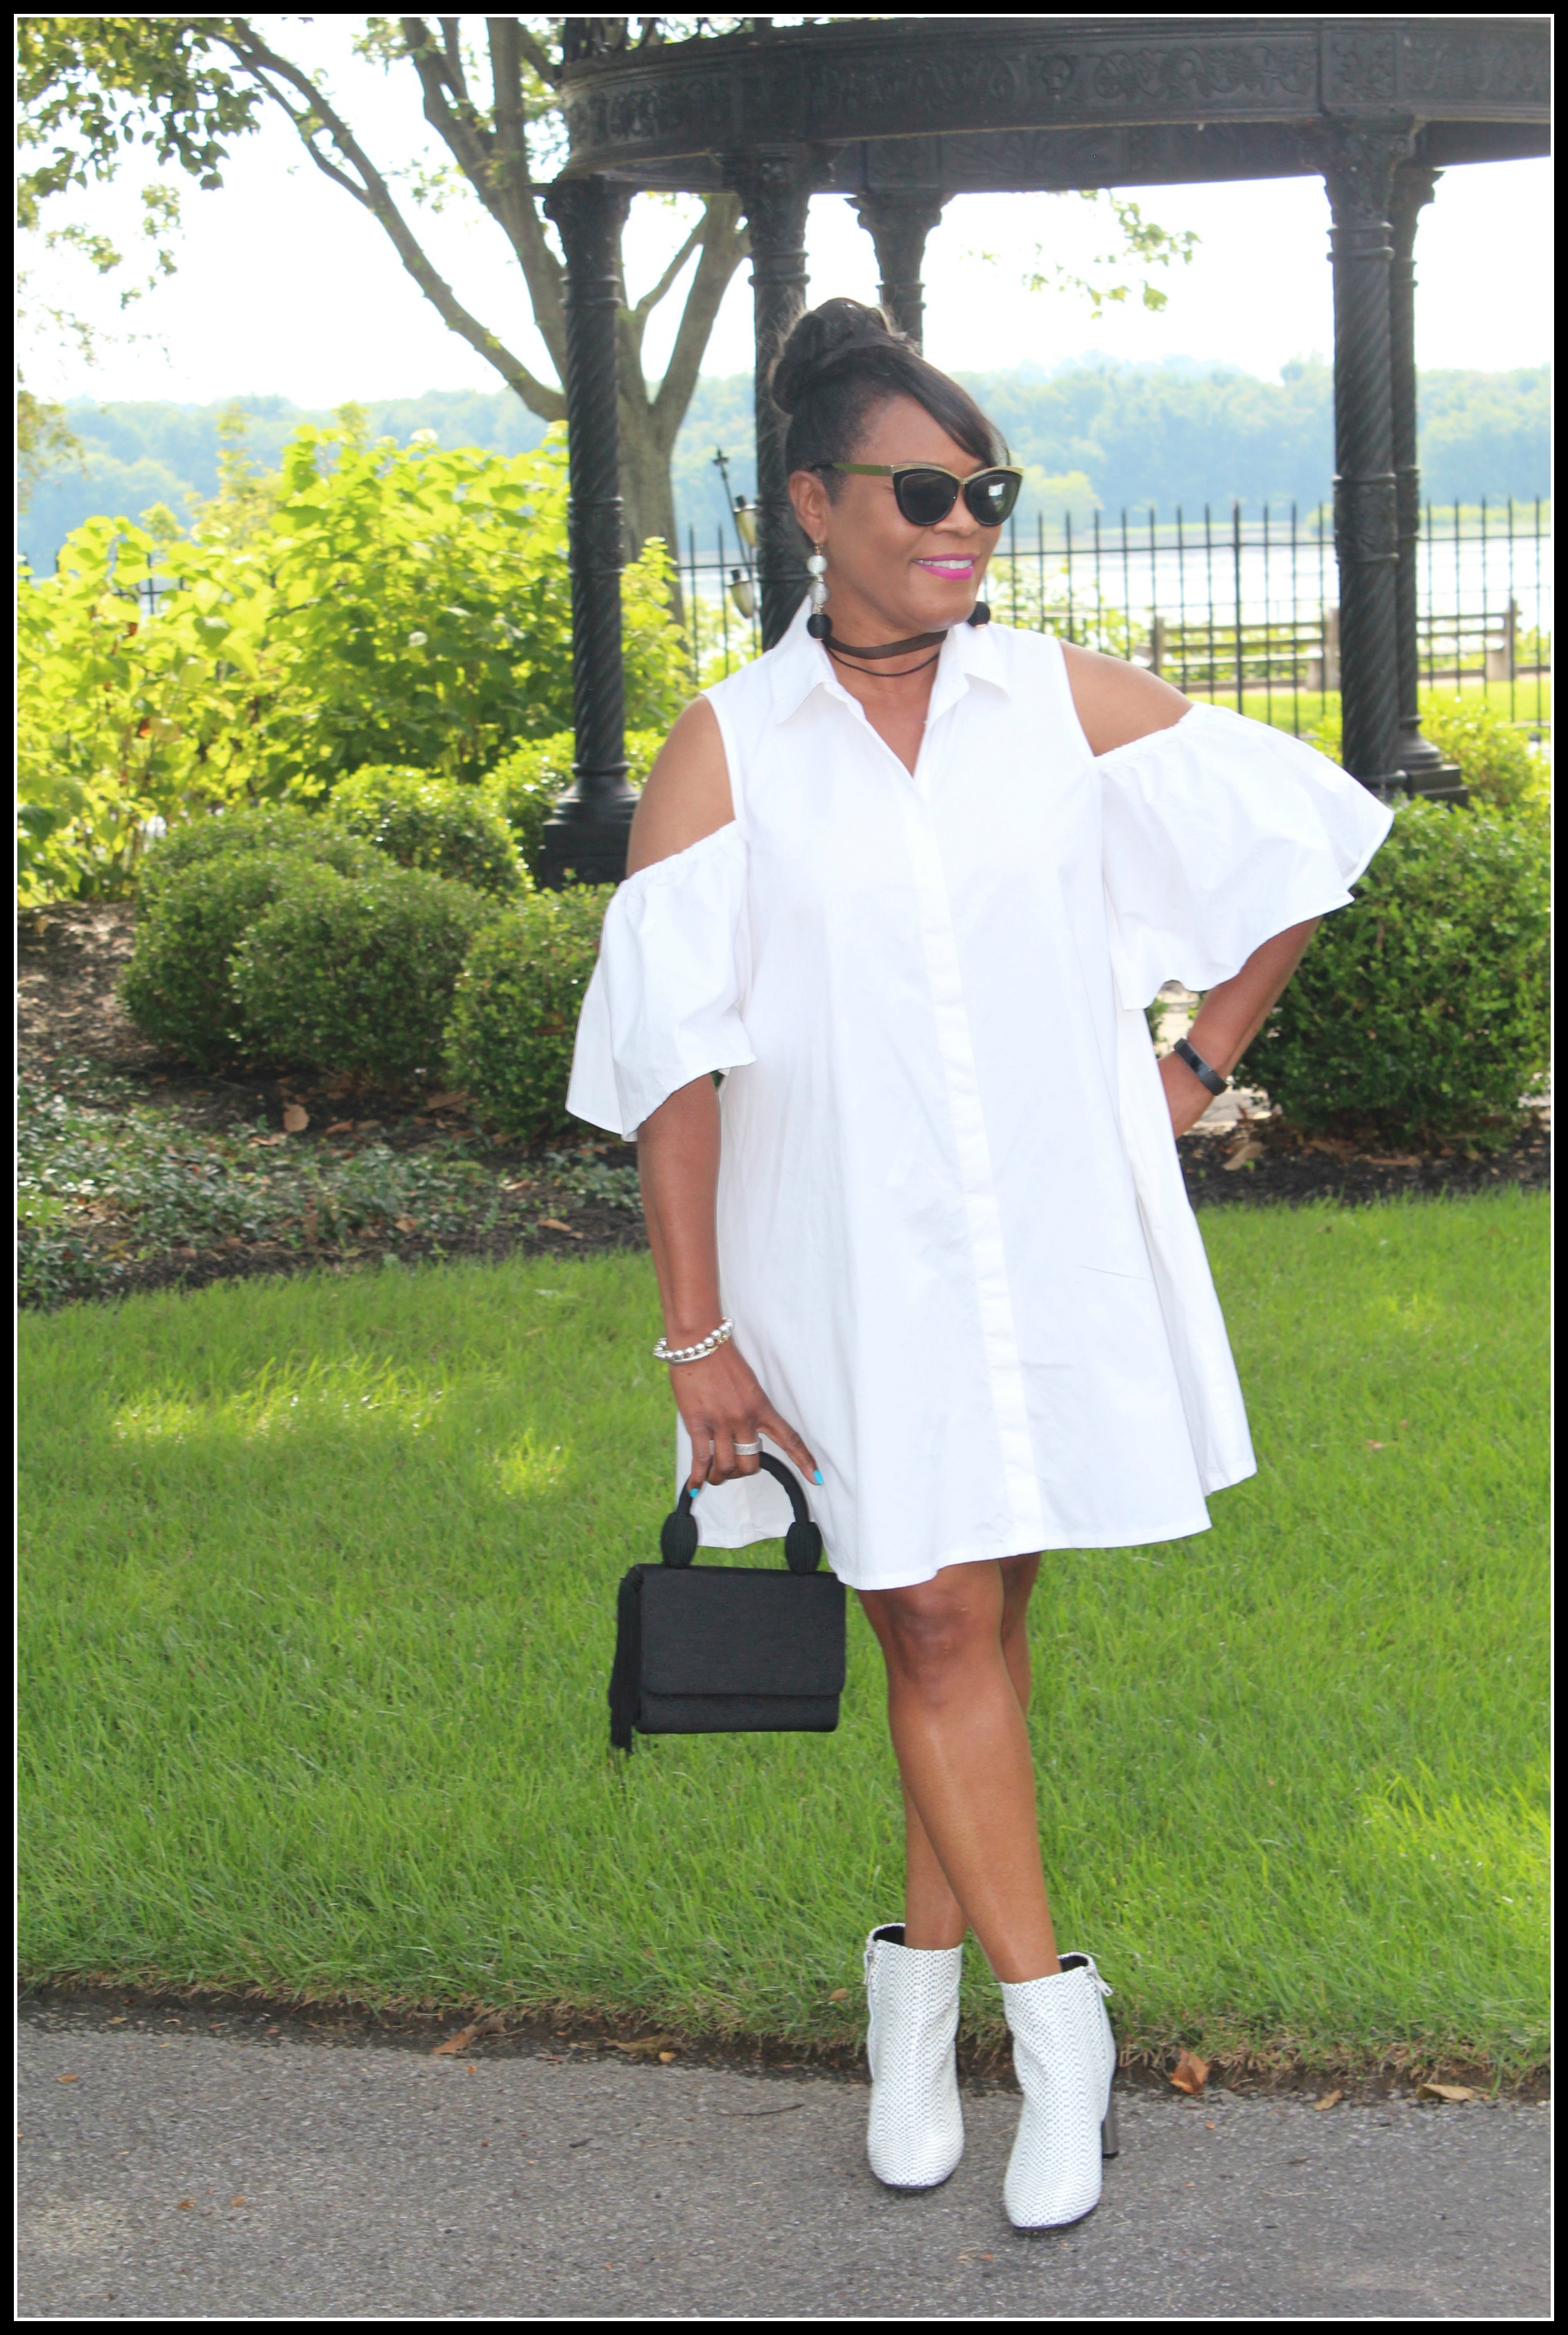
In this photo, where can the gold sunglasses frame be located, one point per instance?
(896, 470)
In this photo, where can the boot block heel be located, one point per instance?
(1109, 2139)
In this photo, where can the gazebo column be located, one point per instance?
(1359, 167)
(1425, 772)
(898, 224)
(585, 836)
(774, 188)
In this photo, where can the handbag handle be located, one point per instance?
(802, 1542)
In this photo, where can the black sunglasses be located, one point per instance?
(925, 493)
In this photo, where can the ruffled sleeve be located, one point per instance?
(1220, 832)
(664, 1003)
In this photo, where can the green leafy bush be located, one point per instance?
(179, 987)
(1421, 1012)
(269, 828)
(358, 976)
(425, 821)
(1493, 757)
(526, 784)
(515, 1015)
(369, 604)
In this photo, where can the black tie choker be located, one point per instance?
(979, 615)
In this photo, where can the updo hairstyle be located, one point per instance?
(842, 360)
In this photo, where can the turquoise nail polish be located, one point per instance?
(695, 1489)
(816, 1476)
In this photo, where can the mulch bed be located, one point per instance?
(71, 955)
(1263, 1164)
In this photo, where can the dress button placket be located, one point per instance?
(992, 1294)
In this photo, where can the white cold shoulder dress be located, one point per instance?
(952, 1231)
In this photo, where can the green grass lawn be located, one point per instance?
(317, 1608)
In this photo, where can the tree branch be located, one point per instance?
(549, 72)
(650, 300)
(499, 179)
(463, 134)
(725, 245)
(375, 195)
(451, 38)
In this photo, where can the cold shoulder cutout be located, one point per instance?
(662, 1006)
(1219, 833)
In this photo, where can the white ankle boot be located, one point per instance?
(915, 2134)
(1065, 2055)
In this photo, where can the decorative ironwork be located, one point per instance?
(898, 222)
(897, 116)
(586, 834)
(774, 191)
(1425, 772)
(903, 76)
(1359, 166)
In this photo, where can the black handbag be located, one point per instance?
(720, 1649)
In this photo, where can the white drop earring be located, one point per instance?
(819, 623)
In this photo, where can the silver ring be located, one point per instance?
(748, 1450)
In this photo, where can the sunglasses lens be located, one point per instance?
(924, 496)
(991, 496)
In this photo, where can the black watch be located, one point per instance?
(1200, 1069)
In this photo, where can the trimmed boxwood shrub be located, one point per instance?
(423, 820)
(179, 987)
(1421, 1012)
(266, 827)
(527, 785)
(359, 975)
(515, 1016)
(1493, 755)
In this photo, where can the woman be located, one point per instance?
(908, 882)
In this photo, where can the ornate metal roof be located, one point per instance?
(1010, 102)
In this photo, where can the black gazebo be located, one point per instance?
(900, 114)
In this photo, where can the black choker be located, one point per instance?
(820, 627)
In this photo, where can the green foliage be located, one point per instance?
(515, 1016)
(1493, 757)
(88, 86)
(1421, 1012)
(179, 987)
(429, 822)
(266, 827)
(527, 783)
(377, 605)
(1493, 754)
(429, 608)
(358, 976)
(123, 720)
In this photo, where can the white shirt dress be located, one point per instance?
(952, 1231)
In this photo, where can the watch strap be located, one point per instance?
(1199, 1067)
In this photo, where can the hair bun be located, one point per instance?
(821, 339)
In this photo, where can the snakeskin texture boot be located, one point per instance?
(915, 2134)
(1065, 2055)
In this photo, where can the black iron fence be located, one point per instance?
(1240, 609)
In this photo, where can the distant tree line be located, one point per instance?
(1113, 434)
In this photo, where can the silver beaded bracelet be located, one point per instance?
(664, 1352)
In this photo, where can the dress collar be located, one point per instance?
(800, 664)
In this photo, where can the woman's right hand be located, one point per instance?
(721, 1404)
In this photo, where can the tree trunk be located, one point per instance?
(645, 486)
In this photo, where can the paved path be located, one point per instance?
(182, 2174)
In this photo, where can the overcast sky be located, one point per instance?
(286, 287)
